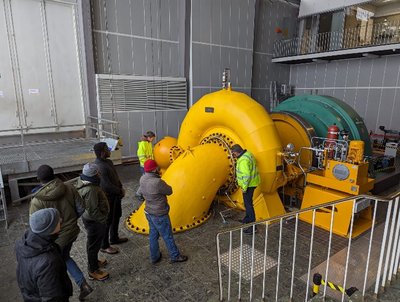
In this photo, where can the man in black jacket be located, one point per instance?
(111, 185)
(41, 270)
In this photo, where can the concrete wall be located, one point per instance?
(222, 37)
(142, 38)
(370, 86)
(269, 16)
(137, 37)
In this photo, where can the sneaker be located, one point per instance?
(102, 262)
(119, 240)
(85, 290)
(180, 258)
(158, 260)
(110, 250)
(99, 275)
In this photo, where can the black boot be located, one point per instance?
(85, 290)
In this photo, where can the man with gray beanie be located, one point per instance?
(94, 218)
(65, 198)
(41, 270)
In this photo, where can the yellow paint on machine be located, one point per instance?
(200, 163)
(356, 183)
(316, 195)
(195, 178)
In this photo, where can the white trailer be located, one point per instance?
(42, 66)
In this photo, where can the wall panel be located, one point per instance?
(144, 39)
(10, 119)
(369, 85)
(222, 37)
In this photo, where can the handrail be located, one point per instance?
(381, 259)
(27, 128)
(98, 127)
(32, 194)
(323, 205)
(102, 119)
(367, 35)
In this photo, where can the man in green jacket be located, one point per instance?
(145, 149)
(55, 194)
(248, 179)
(145, 152)
(94, 218)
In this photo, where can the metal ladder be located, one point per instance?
(3, 201)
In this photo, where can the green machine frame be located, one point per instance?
(323, 111)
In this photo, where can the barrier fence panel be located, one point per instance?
(287, 259)
(348, 38)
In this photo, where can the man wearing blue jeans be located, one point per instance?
(55, 194)
(155, 192)
(248, 179)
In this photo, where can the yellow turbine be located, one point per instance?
(202, 166)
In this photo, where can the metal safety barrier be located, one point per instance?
(3, 202)
(100, 127)
(353, 37)
(276, 259)
(19, 140)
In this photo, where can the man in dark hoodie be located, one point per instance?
(112, 186)
(41, 270)
(65, 198)
(94, 218)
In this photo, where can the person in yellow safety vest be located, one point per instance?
(145, 149)
(144, 152)
(248, 179)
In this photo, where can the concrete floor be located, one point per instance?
(132, 276)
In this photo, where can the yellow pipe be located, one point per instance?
(195, 178)
(246, 122)
(162, 151)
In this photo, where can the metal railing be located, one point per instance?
(22, 139)
(3, 202)
(277, 261)
(354, 37)
(100, 128)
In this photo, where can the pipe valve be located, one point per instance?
(226, 77)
